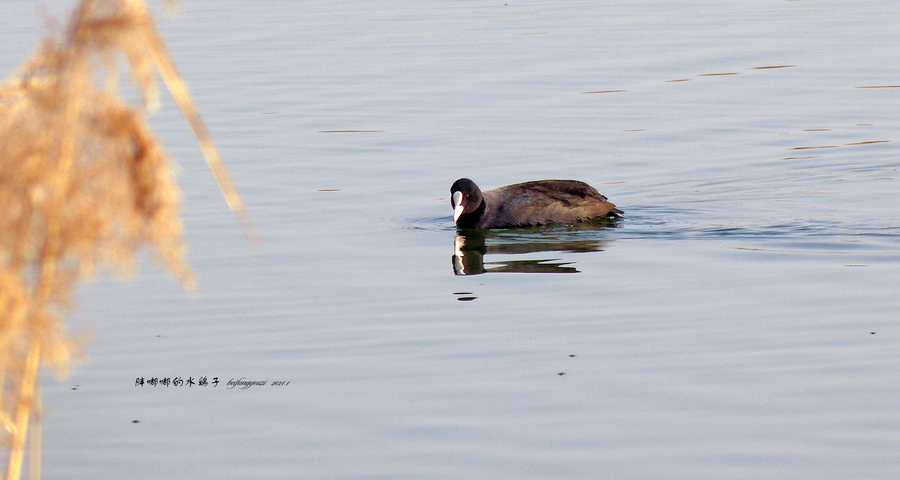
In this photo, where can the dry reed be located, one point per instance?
(83, 185)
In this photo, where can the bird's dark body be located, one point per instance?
(539, 202)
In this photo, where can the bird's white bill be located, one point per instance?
(458, 206)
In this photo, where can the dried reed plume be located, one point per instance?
(83, 185)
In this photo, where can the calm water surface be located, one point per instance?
(739, 322)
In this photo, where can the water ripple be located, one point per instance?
(841, 236)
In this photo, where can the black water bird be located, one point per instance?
(540, 202)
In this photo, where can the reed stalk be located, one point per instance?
(84, 185)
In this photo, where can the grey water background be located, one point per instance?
(739, 322)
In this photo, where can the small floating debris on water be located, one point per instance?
(722, 74)
(606, 91)
(350, 131)
(464, 296)
(771, 67)
(815, 148)
(329, 190)
(804, 157)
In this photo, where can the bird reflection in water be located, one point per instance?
(471, 246)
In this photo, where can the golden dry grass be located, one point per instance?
(84, 185)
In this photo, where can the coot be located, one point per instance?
(540, 202)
